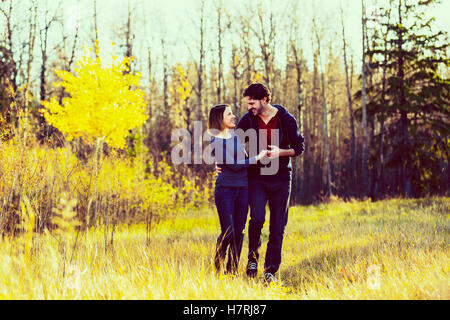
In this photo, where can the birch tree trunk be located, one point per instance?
(365, 150)
(404, 122)
(352, 169)
(220, 85)
(325, 118)
(95, 40)
(43, 34)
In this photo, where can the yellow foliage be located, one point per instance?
(124, 187)
(181, 91)
(104, 103)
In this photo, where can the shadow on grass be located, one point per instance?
(335, 264)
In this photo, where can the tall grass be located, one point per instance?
(393, 249)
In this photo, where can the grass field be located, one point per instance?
(392, 249)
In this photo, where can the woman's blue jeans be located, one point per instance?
(232, 207)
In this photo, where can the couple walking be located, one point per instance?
(244, 181)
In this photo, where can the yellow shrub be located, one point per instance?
(104, 102)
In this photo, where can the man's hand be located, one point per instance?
(276, 152)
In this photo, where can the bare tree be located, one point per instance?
(150, 83)
(150, 71)
(295, 49)
(129, 36)
(200, 66)
(265, 34)
(352, 168)
(68, 57)
(43, 36)
(31, 41)
(324, 101)
(220, 29)
(365, 148)
(237, 76)
(245, 39)
(165, 76)
(244, 57)
(401, 66)
(95, 39)
(379, 181)
(9, 40)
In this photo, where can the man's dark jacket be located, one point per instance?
(290, 138)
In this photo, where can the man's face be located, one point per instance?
(254, 106)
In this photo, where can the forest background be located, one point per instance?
(375, 129)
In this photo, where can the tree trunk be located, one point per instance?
(352, 167)
(10, 43)
(95, 30)
(325, 113)
(365, 151)
(298, 67)
(128, 39)
(406, 174)
(220, 53)
(266, 37)
(150, 83)
(380, 180)
(235, 81)
(325, 132)
(31, 40)
(200, 67)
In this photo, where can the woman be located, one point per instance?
(231, 189)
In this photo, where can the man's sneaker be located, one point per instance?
(270, 278)
(252, 269)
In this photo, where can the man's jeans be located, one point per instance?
(232, 207)
(276, 193)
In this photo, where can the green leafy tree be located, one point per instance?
(412, 95)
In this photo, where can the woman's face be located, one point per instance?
(229, 119)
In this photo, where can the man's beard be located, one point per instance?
(256, 111)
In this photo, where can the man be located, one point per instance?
(274, 188)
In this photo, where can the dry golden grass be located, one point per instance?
(393, 249)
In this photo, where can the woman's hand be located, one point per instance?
(261, 155)
(218, 169)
